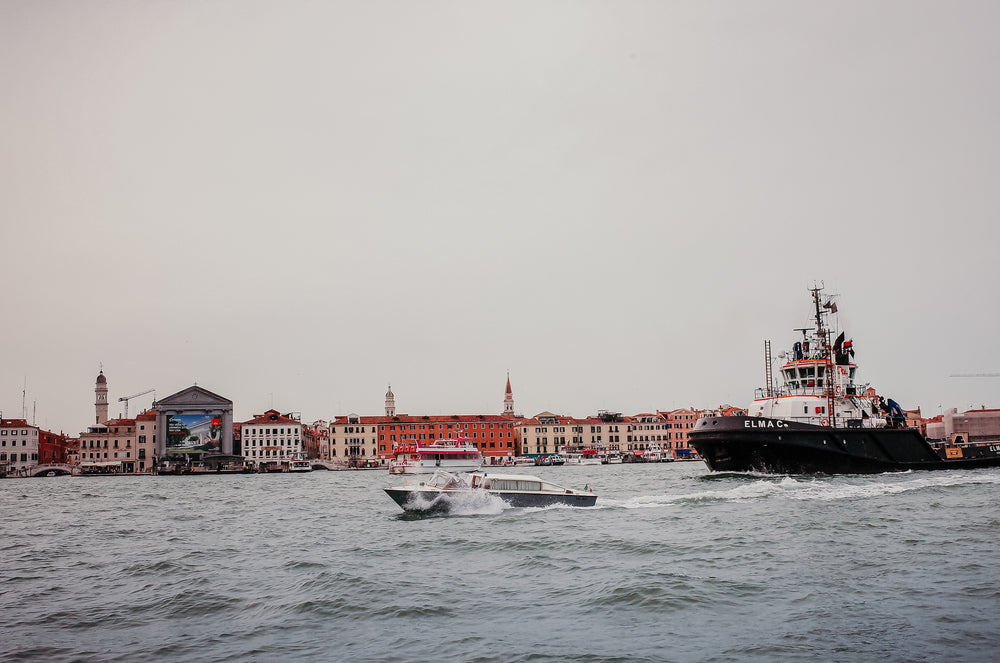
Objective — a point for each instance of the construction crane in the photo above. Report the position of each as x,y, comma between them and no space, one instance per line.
974,375
126,399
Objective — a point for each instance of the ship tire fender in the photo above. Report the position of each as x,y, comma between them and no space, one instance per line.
824,421
838,390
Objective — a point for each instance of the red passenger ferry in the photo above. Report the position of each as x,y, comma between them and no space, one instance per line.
416,457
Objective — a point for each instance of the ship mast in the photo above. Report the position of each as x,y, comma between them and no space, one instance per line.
768,375
825,354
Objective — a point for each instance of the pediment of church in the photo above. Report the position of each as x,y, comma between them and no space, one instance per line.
194,397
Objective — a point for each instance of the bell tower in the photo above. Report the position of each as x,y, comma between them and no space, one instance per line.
508,399
101,402
390,403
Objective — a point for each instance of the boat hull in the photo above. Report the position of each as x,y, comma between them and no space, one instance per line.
412,499
759,444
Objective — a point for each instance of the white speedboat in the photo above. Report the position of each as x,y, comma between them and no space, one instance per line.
299,465
442,490
417,457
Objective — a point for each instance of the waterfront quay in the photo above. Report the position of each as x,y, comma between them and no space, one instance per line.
192,432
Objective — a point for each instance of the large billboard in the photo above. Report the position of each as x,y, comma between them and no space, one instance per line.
193,433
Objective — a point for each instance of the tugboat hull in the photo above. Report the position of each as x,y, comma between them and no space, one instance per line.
757,444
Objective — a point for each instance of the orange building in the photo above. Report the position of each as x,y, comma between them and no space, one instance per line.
678,424
355,439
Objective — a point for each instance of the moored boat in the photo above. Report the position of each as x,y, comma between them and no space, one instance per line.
299,465
573,456
654,453
819,420
416,457
443,490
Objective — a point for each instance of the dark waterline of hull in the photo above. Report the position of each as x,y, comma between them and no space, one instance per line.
754,444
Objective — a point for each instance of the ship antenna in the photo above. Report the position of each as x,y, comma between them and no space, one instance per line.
819,313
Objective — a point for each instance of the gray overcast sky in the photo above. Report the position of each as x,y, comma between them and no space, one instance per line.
297,203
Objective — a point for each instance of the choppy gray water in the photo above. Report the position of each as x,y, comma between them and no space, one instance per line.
674,564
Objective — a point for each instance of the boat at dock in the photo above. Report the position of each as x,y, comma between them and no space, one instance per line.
299,465
578,456
654,453
416,457
820,420
443,490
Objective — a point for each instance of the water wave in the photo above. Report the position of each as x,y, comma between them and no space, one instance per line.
667,567
762,487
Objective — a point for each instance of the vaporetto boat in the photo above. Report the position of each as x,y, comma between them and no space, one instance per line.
820,420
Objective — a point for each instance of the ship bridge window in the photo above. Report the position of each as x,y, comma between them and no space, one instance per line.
789,373
820,370
807,372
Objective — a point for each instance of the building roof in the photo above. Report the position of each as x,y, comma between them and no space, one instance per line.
427,419
271,417
119,422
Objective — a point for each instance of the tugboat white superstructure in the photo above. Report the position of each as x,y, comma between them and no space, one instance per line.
818,382
820,420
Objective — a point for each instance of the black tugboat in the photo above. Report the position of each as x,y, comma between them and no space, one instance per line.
820,421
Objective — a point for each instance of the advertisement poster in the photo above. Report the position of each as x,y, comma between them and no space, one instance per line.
193,433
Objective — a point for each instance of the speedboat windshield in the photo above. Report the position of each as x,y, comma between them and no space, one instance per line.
445,480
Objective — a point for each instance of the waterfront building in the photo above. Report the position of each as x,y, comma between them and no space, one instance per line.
145,424
354,439
546,433
110,447
494,435
72,451
52,447
271,439
23,446
18,446
192,423
982,425
316,439
358,440
369,440
645,429
678,423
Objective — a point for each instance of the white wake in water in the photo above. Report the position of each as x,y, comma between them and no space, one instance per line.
465,503
821,489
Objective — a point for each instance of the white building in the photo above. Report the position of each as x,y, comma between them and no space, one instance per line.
18,446
271,439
